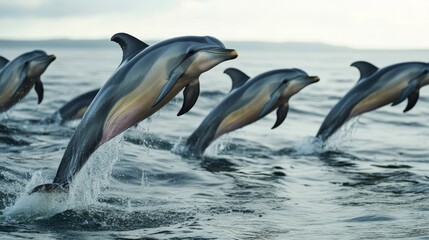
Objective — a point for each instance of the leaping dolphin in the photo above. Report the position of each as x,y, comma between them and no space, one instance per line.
140,86
376,88
18,76
250,99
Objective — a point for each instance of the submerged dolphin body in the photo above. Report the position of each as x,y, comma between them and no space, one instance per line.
18,76
376,88
142,84
249,100
75,108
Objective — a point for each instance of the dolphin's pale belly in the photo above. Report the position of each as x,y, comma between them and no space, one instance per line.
136,106
379,98
243,116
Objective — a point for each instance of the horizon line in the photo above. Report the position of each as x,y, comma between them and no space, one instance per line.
329,45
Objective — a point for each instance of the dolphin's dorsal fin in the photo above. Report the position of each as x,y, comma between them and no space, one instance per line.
3,61
238,77
366,69
129,44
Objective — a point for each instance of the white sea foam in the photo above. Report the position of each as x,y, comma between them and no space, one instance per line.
218,146
93,178
180,147
37,205
308,145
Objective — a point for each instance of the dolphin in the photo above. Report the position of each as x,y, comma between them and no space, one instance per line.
140,86
75,108
249,100
18,76
376,88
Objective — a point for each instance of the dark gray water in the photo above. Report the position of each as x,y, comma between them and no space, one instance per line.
371,182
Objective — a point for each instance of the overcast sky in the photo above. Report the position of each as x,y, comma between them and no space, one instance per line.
355,23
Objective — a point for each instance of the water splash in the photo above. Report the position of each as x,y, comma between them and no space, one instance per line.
343,136
214,149
97,172
5,115
312,145
93,178
308,146
141,129
180,148
36,205
220,145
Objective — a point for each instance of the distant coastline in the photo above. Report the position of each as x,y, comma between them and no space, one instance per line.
106,43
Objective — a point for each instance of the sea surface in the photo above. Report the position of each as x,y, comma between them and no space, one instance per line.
371,181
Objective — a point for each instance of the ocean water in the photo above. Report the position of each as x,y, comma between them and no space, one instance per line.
370,182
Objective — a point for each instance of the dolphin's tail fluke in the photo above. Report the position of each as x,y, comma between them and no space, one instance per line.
50,188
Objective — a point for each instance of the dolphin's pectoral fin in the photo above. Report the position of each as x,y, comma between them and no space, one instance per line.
270,105
3,61
129,44
38,86
412,87
366,69
238,77
405,93
50,188
281,114
174,77
412,100
190,96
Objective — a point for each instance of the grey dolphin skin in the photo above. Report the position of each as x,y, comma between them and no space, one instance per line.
376,88
138,88
18,76
249,100
75,108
